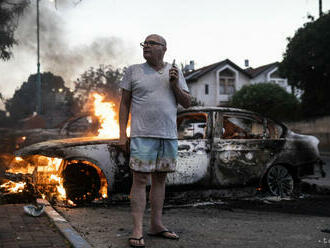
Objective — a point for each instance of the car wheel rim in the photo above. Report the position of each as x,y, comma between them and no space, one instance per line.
280,181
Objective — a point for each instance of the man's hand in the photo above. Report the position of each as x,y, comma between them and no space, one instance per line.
174,76
181,96
123,142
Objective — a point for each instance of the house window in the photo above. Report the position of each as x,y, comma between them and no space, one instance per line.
275,74
227,82
206,89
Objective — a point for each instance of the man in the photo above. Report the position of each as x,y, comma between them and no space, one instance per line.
153,89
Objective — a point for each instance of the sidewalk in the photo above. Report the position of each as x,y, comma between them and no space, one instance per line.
22,231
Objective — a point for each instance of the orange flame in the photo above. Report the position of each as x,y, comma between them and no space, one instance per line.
108,118
13,187
60,188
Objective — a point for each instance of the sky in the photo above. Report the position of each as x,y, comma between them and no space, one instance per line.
75,37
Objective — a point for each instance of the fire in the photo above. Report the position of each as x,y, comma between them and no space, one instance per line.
13,187
45,171
60,188
45,175
18,159
108,118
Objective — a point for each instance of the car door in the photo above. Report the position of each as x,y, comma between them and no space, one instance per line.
240,148
193,151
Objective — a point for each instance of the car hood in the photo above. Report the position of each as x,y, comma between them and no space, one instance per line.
45,147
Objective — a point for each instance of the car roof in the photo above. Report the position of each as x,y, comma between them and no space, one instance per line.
220,109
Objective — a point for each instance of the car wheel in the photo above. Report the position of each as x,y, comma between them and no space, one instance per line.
81,182
279,181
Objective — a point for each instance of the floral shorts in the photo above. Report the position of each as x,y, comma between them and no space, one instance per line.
153,154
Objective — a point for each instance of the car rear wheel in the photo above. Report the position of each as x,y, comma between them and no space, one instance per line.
81,182
280,181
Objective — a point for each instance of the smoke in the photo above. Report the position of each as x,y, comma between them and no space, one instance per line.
56,55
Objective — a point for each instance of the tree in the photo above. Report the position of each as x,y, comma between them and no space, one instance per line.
55,96
306,64
9,13
268,99
103,80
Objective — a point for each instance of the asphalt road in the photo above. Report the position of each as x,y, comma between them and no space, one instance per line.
249,223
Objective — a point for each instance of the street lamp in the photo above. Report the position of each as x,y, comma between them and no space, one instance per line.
38,65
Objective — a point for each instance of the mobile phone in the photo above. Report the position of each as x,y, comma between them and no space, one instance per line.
173,63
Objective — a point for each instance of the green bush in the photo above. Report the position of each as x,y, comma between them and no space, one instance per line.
268,99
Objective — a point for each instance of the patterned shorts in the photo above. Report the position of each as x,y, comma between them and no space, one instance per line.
153,154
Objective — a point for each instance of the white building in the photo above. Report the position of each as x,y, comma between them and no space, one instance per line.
214,85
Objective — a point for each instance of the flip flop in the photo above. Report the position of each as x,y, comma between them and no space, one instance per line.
135,245
162,234
325,230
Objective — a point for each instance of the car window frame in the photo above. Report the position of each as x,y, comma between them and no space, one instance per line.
207,124
242,115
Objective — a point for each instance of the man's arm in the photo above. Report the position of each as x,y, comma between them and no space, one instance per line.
125,105
182,97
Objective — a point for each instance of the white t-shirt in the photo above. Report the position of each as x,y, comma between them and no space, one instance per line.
153,107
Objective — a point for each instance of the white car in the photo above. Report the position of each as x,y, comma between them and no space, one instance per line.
236,148
194,130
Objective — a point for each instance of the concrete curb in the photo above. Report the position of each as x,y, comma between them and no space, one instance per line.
64,227
327,154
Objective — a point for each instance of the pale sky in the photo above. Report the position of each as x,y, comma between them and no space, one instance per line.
205,31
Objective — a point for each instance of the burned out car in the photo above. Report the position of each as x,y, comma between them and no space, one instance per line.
235,148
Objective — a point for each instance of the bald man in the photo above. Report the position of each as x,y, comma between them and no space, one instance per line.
152,90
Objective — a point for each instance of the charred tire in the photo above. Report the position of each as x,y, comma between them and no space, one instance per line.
280,181
81,182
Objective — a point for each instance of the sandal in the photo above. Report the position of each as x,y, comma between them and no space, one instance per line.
135,245
163,234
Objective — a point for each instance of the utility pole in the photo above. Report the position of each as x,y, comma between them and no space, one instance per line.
38,65
320,8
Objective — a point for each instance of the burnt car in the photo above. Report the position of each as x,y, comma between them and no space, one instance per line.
236,148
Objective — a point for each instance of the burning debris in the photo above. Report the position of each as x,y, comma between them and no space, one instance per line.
72,182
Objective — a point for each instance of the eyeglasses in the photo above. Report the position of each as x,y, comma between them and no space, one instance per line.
150,43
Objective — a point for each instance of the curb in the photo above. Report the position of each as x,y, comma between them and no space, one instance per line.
327,154
64,227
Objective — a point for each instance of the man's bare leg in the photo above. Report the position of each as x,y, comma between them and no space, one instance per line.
157,196
138,204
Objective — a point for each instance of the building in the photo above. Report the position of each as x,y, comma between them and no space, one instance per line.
214,85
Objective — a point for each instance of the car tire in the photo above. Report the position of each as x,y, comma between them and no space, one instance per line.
280,181
81,182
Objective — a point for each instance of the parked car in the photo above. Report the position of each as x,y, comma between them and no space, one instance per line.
237,148
194,130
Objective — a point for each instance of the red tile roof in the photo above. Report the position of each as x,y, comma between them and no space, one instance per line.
194,75
256,71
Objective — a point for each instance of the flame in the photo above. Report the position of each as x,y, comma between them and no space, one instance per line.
59,187
13,187
71,203
18,159
108,118
45,173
